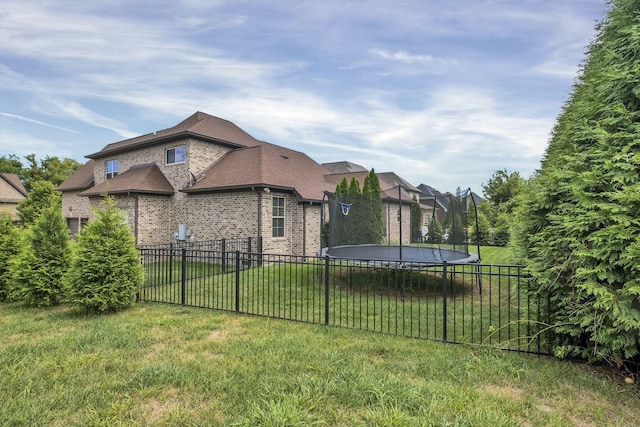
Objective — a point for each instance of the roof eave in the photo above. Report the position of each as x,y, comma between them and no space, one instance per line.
161,140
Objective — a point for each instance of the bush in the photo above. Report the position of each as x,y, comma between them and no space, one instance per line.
9,247
106,273
37,271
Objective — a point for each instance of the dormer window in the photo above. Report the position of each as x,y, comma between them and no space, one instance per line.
112,168
176,155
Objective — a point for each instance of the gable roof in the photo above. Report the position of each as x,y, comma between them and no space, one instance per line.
389,182
344,167
199,126
81,178
14,182
429,193
263,166
146,178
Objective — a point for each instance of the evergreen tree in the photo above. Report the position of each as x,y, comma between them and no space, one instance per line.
106,273
376,221
42,195
578,227
37,272
416,221
9,248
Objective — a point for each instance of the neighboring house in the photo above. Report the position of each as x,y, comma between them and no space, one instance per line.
12,192
393,188
217,180
432,199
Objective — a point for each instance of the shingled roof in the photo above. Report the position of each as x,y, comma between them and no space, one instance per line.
199,125
389,182
14,182
265,166
80,180
146,178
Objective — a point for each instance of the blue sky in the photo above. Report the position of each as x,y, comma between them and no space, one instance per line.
442,92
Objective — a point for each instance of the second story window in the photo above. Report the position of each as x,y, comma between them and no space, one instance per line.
112,168
176,155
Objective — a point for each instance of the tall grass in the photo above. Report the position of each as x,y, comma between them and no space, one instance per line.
169,365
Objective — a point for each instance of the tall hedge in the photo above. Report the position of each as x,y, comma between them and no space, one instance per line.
578,223
9,248
106,273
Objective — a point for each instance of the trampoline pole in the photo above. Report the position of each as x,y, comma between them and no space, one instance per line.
400,217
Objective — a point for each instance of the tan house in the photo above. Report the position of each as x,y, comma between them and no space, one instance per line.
208,176
12,192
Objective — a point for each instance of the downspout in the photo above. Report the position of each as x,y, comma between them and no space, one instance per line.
304,229
135,217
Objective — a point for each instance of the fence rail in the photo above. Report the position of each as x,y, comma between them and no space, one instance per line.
462,303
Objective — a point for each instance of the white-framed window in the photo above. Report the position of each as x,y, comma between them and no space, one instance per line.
278,217
176,155
112,168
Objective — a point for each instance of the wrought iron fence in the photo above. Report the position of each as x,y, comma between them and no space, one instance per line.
461,303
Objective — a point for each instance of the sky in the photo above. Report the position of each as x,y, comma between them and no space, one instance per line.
441,92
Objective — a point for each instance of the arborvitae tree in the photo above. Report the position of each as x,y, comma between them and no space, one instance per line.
42,195
337,234
356,217
9,248
106,273
376,222
416,221
578,227
37,272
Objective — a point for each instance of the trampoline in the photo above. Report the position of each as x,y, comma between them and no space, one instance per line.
404,254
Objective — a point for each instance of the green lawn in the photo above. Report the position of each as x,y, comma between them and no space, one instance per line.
170,365
493,254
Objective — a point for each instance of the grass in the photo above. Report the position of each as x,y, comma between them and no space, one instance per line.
493,254
168,365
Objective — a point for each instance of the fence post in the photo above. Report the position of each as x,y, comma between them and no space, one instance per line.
326,290
184,277
444,300
237,281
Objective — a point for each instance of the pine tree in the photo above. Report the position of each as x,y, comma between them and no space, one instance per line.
37,272
106,273
578,223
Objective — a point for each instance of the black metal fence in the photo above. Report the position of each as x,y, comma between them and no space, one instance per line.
242,244
462,303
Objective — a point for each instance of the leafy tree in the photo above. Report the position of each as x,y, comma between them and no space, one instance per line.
105,273
500,195
41,196
578,227
11,164
455,219
38,270
9,248
50,169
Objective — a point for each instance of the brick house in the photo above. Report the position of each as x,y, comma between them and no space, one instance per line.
12,192
217,180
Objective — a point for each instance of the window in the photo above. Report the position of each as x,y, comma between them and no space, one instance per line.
278,217
176,155
112,168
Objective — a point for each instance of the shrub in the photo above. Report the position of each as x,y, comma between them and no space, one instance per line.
37,271
106,273
9,247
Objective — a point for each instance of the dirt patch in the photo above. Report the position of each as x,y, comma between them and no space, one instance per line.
155,410
506,391
233,327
